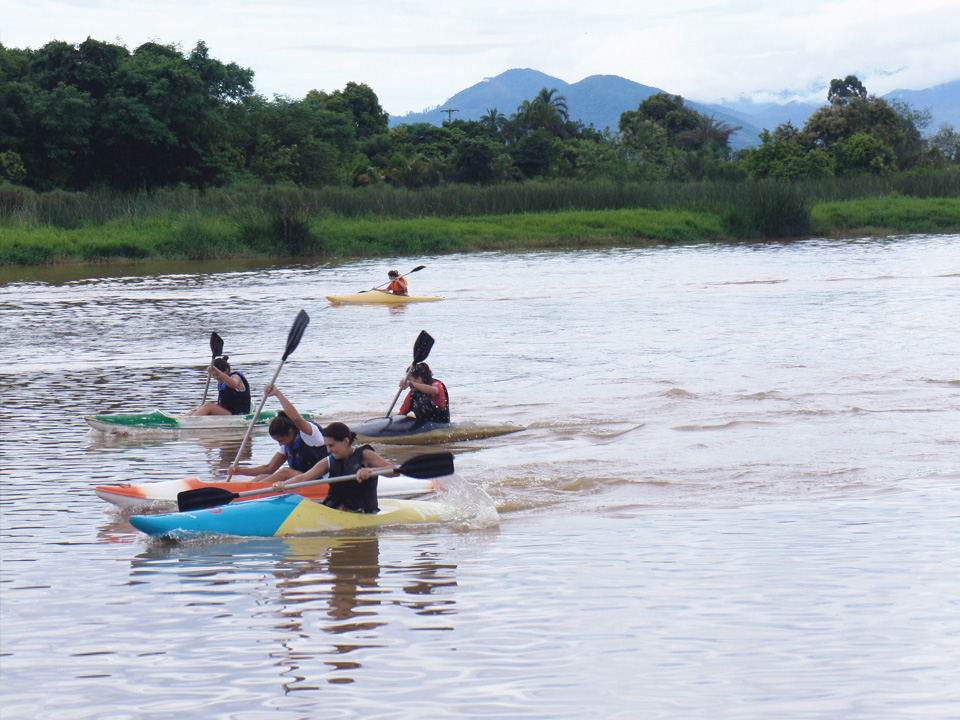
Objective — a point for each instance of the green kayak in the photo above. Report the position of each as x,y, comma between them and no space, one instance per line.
160,420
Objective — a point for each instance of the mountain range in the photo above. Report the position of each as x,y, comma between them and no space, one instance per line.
599,100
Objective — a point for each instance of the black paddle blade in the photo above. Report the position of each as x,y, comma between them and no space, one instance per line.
203,498
296,332
427,466
216,345
421,348
418,268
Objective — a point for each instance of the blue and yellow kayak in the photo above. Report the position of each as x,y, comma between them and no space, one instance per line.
286,515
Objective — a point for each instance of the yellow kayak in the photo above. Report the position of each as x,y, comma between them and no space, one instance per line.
380,298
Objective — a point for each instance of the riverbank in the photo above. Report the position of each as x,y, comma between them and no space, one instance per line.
295,233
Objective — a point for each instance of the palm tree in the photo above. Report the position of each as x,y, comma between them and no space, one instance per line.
493,120
706,129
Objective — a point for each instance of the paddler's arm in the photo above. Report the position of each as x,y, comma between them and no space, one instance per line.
233,381
302,425
424,388
267,469
317,471
372,461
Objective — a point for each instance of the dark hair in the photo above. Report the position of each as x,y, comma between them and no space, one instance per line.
393,273
339,432
221,364
422,371
281,425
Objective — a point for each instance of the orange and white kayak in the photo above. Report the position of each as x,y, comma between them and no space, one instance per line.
166,491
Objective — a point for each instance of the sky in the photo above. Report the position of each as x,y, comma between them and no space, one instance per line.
415,54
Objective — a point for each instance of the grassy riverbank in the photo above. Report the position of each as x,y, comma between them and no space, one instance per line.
259,222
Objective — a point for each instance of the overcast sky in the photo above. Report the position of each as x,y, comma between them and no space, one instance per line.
415,54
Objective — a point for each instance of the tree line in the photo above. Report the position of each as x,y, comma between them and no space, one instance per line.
97,115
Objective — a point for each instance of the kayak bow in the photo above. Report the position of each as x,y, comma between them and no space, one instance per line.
404,430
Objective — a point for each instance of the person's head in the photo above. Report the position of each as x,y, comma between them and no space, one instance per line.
222,365
338,439
421,373
393,274
283,429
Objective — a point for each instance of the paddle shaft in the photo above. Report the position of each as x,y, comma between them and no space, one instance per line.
421,349
293,340
256,416
216,347
308,483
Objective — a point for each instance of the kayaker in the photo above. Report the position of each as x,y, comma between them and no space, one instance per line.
301,443
234,391
398,285
358,495
427,399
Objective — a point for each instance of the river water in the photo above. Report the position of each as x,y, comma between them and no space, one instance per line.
737,494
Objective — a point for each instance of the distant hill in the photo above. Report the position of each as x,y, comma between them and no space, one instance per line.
599,100
943,101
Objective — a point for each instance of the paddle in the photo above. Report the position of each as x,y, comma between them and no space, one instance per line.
421,348
293,339
420,466
418,268
216,347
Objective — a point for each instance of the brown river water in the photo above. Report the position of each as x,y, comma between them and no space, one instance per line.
737,494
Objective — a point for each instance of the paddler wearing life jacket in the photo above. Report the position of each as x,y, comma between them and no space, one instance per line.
233,396
301,443
427,399
398,285
358,495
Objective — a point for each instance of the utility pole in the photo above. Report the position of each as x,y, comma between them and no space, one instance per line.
450,112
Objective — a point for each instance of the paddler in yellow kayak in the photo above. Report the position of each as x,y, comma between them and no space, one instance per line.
397,284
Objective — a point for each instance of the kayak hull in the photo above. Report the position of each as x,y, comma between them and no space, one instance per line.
403,430
286,515
380,298
160,420
133,495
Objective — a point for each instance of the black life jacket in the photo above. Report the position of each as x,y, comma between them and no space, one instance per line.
422,406
301,457
236,401
350,493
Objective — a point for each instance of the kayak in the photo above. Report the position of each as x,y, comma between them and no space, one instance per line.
160,420
131,495
380,298
286,515
404,430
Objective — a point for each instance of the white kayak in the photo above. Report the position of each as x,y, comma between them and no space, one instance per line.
166,491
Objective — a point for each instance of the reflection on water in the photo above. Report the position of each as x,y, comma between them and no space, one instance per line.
735,496
310,588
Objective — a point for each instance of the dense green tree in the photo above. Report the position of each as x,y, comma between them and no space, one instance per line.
782,156
363,105
852,112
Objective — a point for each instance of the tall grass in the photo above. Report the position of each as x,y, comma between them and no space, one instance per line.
245,220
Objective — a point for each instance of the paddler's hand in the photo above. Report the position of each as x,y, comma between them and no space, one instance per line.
280,486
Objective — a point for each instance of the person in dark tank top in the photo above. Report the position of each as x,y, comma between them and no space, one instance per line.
358,495
233,396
